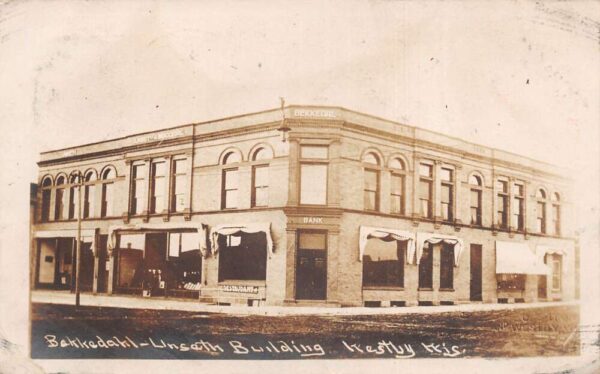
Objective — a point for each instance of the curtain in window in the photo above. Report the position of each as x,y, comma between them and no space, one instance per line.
367,233
249,228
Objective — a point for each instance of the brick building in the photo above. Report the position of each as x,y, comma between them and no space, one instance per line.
344,209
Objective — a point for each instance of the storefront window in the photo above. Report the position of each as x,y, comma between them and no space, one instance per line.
383,263
243,256
185,262
131,261
511,282
426,267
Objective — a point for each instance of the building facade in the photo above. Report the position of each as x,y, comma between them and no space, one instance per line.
345,209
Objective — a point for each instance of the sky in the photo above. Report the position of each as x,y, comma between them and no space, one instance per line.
518,76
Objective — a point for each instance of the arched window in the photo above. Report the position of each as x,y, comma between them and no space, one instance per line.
260,177
371,158
73,197
476,199
229,180
88,194
556,213
46,193
108,176
231,157
262,153
397,186
541,210
371,181
59,202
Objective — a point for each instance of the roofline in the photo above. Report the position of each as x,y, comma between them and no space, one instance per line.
295,106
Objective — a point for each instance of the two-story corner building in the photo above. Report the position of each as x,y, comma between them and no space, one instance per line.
350,209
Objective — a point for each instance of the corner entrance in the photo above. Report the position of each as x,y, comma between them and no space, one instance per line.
311,265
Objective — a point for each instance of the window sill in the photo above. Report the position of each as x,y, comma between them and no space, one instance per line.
424,289
446,289
383,288
244,282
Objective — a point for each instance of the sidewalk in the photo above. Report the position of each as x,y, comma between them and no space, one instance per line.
136,302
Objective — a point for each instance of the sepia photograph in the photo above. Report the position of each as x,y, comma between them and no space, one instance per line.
327,186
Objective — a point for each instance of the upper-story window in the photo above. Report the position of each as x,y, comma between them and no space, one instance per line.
178,185
397,186
46,194
260,177
502,206
519,206
139,188
371,181
88,194
108,176
313,174
59,202
158,187
447,198
541,211
556,213
73,195
230,180
426,190
476,185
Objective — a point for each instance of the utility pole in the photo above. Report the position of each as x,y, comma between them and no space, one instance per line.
78,248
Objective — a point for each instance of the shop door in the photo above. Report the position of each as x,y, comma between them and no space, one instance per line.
476,265
311,266
155,263
102,264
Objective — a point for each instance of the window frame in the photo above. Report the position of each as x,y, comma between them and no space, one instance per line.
255,187
502,195
402,249
155,180
138,202
174,174
478,189
313,161
449,184
429,180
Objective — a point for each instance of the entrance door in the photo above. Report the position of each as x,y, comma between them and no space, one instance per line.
311,266
155,261
476,265
102,262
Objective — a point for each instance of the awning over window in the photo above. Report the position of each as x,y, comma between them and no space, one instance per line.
517,258
367,232
427,237
201,230
543,250
248,228
63,234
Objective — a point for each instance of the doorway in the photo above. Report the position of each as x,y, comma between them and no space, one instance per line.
476,267
311,265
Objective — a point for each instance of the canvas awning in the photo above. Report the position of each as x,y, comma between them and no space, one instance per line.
63,234
517,258
248,228
87,236
166,226
367,232
427,237
543,250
